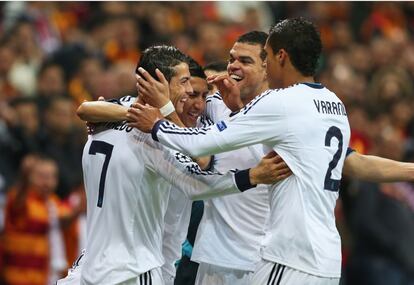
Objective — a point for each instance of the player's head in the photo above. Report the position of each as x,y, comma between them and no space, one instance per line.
173,64
195,104
292,43
247,64
215,68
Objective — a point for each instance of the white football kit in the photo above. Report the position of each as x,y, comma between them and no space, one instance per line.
176,219
232,228
127,179
307,125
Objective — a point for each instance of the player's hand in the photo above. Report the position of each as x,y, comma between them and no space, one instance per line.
229,91
152,91
270,170
143,117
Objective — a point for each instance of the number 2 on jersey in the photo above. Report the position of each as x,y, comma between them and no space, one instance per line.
106,149
333,184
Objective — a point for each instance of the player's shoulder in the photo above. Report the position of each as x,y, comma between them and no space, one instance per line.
214,98
124,101
204,121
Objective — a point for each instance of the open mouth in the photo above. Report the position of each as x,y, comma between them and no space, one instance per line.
236,77
193,115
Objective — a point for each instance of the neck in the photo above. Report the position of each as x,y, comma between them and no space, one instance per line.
263,88
295,77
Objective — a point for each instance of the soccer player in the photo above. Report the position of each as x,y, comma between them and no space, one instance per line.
307,125
233,225
177,215
127,179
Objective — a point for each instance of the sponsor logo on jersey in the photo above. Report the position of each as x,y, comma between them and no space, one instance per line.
221,126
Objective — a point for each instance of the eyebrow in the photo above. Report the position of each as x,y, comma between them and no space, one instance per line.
247,58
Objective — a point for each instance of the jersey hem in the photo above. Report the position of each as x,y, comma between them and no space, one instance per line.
225,265
271,258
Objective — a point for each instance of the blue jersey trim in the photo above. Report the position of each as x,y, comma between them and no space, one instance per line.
349,151
155,129
313,85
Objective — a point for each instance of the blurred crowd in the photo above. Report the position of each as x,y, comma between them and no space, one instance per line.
55,55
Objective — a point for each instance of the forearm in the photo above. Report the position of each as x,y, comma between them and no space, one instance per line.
227,184
100,111
377,169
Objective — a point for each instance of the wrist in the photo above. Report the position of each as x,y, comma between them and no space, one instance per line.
167,109
244,179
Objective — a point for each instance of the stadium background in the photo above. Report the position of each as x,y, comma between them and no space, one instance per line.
54,55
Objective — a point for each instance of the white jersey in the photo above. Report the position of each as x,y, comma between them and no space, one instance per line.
127,179
232,228
177,218
307,126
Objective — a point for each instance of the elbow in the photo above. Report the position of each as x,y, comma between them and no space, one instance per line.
81,112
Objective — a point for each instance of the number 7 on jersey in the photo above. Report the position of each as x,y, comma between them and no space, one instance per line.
106,149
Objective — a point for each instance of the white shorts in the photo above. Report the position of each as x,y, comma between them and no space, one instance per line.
270,273
152,277
74,273
168,278
209,274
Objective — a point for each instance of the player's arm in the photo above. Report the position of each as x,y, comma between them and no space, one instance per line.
101,111
377,169
256,123
196,184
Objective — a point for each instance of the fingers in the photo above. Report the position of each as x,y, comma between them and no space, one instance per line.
218,78
145,74
211,78
161,76
140,106
228,83
270,154
133,115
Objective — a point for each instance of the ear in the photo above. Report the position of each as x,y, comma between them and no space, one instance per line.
282,56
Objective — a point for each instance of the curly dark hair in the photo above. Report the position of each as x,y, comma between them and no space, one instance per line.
163,57
301,40
196,70
255,38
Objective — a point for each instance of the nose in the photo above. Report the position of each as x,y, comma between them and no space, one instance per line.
188,88
200,103
233,65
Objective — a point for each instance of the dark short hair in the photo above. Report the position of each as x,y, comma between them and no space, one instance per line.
196,70
217,66
255,38
302,42
163,57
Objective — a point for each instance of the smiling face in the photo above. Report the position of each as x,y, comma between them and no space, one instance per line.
180,86
196,102
248,69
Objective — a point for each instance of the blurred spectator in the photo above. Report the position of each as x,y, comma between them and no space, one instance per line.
33,245
61,140
50,83
85,84
383,226
29,57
